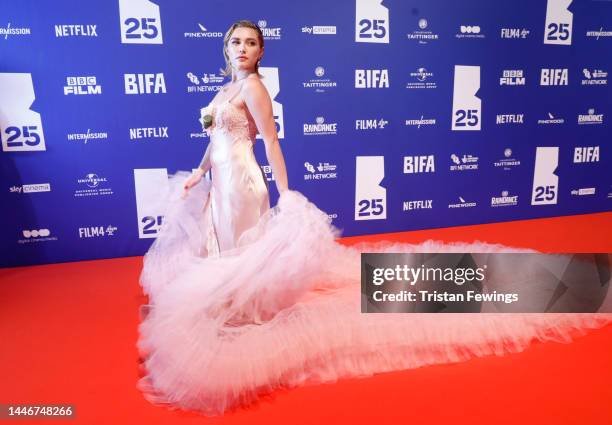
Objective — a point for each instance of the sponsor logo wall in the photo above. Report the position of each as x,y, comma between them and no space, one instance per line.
392,117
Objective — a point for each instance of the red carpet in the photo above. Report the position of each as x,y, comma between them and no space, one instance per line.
68,334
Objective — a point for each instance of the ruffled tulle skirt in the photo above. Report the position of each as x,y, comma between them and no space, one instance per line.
283,310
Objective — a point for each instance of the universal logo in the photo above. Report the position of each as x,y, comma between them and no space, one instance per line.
422,35
203,33
422,77
95,186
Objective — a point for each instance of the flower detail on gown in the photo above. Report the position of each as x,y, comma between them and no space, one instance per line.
279,304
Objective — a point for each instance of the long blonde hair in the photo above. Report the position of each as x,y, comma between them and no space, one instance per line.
227,72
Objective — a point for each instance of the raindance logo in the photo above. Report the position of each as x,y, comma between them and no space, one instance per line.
600,33
505,200
320,30
424,204
323,171
31,188
514,33
462,204
594,77
422,35
319,84
269,33
465,163
422,76
510,119
203,33
469,31
371,124
5,32
421,121
76,31
591,118
97,231
149,133
583,191
321,128
512,77
551,120
507,162
37,235
86,137
95,186
205,83
82,85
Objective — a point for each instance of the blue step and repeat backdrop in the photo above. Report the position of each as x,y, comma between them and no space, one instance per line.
393,115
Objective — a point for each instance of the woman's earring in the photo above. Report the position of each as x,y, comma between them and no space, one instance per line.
259,63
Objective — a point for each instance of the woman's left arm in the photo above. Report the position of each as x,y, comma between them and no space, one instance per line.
259,104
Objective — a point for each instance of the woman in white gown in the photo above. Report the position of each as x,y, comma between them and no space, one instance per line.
245,299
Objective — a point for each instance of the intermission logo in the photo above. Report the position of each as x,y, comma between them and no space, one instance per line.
585,191
323,171
515,33
205,83
5,32
512,77
92,185
422,35
140,22
320,128
420,122
422,204
462,204
510,119
594,77
36,235
551,120
20,127
505,200
590,118
371,22
554,77
144,83
203,33
269,33
371,124
31,188
97,231
371,78
421,79
320,84
584,154
320,30
469,31
87,137
419,164
508,162
559,21
600,33
465,163
76,31
82,85
148,133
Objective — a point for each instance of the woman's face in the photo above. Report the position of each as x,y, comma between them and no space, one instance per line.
243,49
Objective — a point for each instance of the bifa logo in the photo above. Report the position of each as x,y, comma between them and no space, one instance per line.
371,78
20,127
144,83
371,22
558,25
512,77
140,22
554,77
467,106
586,154
82,85
370,195
419,164
76,31
545,181
151,189
272,83
97,231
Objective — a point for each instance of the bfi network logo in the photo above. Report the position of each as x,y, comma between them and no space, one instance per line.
144,83
82,85
371,78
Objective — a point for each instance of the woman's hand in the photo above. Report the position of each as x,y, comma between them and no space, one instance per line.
193,179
